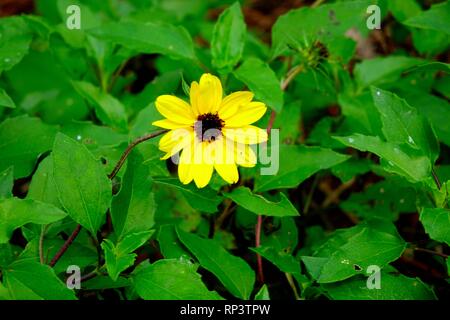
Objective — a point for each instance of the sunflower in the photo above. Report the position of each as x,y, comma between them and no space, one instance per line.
212,132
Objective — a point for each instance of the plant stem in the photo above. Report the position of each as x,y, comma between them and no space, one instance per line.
129,148
290,279
436,179
443,255
41,243
257,245
65,246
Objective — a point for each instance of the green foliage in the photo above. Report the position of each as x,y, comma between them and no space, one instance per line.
86,197
156,281
355,173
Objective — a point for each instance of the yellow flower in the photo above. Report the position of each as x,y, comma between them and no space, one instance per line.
211,132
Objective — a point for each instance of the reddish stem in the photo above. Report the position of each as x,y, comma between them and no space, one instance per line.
257,245
65,246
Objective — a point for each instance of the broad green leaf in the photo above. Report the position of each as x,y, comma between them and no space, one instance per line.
394,286
350,251
83,187
360,113
5,100
94,136
119,257
228,39
263,293
436,18
403,10
6,183
256,203
42,186
170,246
15,212
205,199
171,279
435,109
148,37
133,208
15,39
262,81
436,222
403,125
284,261
233,272
383,69
297,163
29,280
397,159
430,67
107,108
327,23
22,150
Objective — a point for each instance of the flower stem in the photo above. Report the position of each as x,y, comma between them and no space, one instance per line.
129,148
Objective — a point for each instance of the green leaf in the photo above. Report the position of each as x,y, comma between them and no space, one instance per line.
263,293
42,186
327,23
6,183
171,279
84,189
350,251
22,150
170,246
435,109
29,280
284,261
297,163
107,108
436,222
394,286
119,257
15,41
228,38
233,272
5,100
133,208
383,69
256,203
403,125
436,18
397,158
15,213
205,199
262,81
148,37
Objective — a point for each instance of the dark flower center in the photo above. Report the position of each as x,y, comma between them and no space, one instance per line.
208,127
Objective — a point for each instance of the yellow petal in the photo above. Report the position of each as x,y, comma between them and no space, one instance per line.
233,102
194,97
176,140
167,124
245,156
207,95
185,171
245,135
202,164
175,109
246,114
228,172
